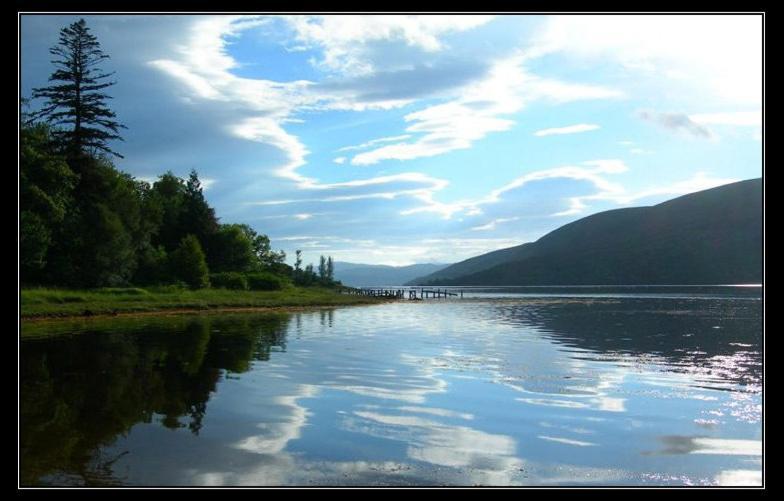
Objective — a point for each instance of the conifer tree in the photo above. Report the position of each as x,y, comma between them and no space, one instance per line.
330,269
75,101
322,269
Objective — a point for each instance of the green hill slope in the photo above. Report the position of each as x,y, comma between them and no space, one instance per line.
709,237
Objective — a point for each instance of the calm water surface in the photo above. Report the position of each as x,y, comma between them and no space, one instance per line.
503,388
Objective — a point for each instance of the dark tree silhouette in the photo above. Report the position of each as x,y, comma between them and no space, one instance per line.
76,101
322,269
298,261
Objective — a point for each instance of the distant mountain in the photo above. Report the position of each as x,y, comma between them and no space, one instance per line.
708,237
372,275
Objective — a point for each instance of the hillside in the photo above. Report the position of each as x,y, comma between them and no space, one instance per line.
369,275
708,237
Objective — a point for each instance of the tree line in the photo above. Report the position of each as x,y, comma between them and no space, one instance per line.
84,223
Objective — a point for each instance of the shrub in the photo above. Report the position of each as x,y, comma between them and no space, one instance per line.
188,263
153,267
229,280
265,282
125,291
176,286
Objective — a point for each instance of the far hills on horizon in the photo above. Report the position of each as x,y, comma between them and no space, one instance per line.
378,275
709,237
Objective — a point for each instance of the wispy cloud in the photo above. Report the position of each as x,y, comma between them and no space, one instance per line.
407,88
699,181
480,109
677,122
592,171
374,142
570,129
206,70
346,41
495,222
403,253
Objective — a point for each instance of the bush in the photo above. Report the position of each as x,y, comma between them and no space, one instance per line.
187,263
153,268
176,286
229,280
265,282
125,291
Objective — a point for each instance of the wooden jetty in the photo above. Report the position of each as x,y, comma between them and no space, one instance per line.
415,293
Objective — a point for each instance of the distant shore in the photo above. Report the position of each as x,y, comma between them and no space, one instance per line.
43,303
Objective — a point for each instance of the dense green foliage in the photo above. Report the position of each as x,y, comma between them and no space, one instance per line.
83,223
229,280
189,265
46,184
262,281
709,237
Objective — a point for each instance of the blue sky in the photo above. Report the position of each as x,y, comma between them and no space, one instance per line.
404,139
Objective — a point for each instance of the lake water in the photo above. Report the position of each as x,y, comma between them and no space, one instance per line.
507,387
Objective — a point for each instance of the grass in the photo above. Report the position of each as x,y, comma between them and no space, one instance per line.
44,302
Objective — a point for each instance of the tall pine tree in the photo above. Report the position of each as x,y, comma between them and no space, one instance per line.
75,100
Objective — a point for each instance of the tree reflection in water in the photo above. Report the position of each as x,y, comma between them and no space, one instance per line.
78,393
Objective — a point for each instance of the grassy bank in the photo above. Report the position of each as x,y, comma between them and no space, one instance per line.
42,302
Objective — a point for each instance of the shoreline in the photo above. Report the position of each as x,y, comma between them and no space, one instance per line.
191,311
38,305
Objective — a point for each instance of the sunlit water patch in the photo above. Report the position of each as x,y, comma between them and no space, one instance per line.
509,391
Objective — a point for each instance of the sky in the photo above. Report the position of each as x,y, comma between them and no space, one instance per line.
401,139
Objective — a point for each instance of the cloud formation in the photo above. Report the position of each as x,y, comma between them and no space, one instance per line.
569,129
704,56
677,122
347,41
481,108
348,126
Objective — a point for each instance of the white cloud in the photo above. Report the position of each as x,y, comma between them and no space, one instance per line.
495,222
739,478
698,182
483,104
373,142
593,172
739,118
567,441
479,110
570,129
268,131
717,57
345,39
205,68
392,253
